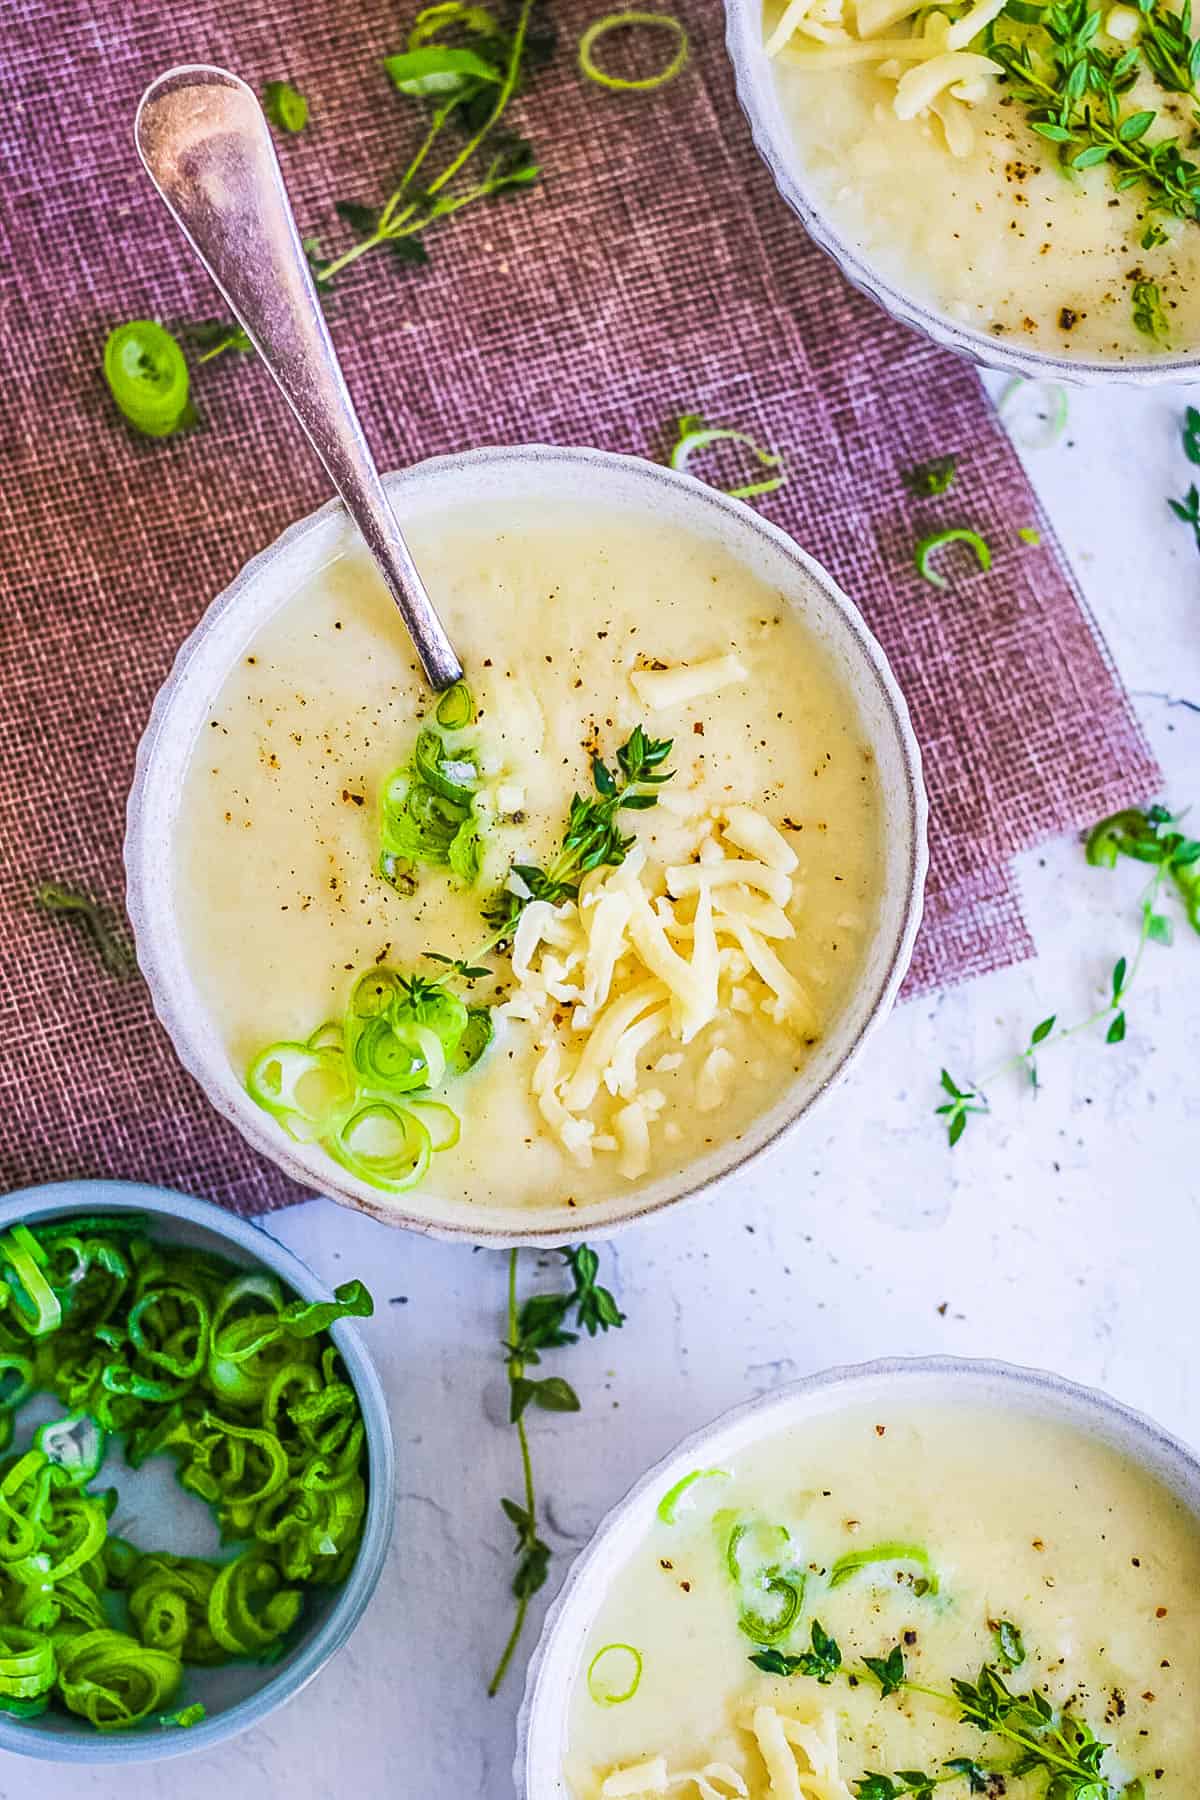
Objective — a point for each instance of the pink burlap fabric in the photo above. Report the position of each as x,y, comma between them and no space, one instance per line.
656,271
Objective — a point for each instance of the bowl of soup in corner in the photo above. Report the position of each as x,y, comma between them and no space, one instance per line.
924,148
573,940
905,1578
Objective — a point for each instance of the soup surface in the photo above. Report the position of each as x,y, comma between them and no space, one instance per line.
946,1538
963,204
574,629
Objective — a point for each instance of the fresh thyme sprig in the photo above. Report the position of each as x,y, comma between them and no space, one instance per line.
1188,509
593,838
540,1323
1072,96
60,901
1147,837
465,66
1059,1745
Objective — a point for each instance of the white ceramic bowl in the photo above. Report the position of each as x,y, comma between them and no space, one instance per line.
551,476
775,142
541,1728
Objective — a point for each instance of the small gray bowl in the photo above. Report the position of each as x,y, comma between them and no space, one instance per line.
758,94
238,1694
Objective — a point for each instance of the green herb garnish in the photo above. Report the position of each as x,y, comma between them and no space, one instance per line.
1071,89
1147,837
427,811
285,106
540,1323
1059,1745
887,1555
1147,311
463,64
614,1674
934,477
593,838
625,21
937,541
63,902
694,436
1188,509
1010,1646
168,1349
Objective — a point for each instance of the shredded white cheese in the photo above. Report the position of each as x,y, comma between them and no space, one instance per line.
657,688
623,979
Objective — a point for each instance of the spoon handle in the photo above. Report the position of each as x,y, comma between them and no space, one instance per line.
207,147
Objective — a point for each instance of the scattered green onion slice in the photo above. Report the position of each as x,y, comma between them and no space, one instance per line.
891,1552
614,1674
618,21
148,377
668,1506
1034,412
695,435
456,708
1029,534
937,541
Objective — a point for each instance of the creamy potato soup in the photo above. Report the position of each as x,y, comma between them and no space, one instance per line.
795,1623
647,829
923,141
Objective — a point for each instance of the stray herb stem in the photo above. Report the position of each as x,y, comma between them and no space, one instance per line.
530,1496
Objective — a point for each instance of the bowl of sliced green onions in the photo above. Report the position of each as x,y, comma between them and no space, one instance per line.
196,1473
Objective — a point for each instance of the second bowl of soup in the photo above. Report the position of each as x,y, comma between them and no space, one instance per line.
573,939
893,1582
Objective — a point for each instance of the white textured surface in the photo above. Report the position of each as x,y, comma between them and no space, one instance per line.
1064,1231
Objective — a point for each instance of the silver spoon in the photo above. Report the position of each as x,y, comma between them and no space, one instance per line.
207,147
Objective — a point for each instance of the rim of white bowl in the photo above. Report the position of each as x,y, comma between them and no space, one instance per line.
542,1720
53,1200
758,96
182,1013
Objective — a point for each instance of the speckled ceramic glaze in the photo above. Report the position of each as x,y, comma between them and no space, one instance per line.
543,1721
550,476
774,140
238,1694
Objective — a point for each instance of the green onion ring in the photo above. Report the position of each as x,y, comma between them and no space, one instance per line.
456,708
617,21
1033,412
890,1552
668,1506
618,1684
937,540
695,435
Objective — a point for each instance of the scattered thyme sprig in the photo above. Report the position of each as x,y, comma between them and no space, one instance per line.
538,1324
1057,1744
464,64
1145,837
1188,509
60,901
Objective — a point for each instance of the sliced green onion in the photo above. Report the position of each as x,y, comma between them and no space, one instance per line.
695,435
299,1087
621,21
148,377
186,1717
1034,412
35,1303
440,1121
456,708
477,1035
75,1444
614,1673
887,1553
176,1351
112,1680
1029,534
758,1558
937,541
385,1145
668,1506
